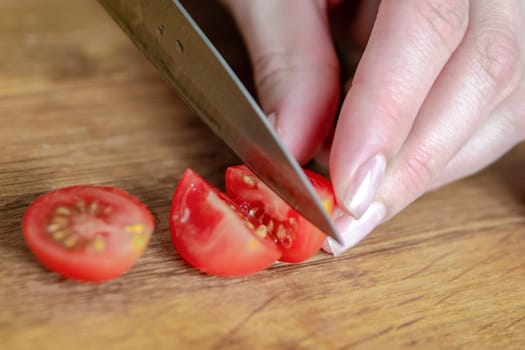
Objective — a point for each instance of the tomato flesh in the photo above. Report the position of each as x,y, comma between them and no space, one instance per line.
86,232
213,234
296,237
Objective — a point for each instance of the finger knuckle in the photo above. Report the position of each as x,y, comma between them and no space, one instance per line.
498,58
447,20
393,109
419,168
269,68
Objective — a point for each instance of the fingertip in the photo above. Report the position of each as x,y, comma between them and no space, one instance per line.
295,67
354,230
304,115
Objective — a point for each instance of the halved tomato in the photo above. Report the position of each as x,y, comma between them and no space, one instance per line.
87,232
213,234
296,237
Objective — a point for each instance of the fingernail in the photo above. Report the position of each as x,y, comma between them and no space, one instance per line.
354,230
363,189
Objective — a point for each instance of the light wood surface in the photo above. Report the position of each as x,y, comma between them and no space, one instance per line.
79,104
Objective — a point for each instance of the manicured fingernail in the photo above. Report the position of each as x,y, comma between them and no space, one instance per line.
365,185
354,230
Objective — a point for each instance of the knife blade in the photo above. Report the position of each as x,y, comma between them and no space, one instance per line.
168,36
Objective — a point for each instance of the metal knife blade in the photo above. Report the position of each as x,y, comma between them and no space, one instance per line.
173,42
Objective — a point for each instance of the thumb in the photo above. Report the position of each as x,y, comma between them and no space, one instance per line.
295,67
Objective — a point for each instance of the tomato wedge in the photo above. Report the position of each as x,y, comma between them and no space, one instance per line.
86,232
213,234
295,236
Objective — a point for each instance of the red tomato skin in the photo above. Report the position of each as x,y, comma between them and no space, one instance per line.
305,238
120,249
212,234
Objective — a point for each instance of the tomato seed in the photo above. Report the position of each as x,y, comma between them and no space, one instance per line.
64,211
138,243
269,225
58,235
281,233
248,180
253,244
98,243
70,241
93,208
137,228
54,227
81,206
293,223
60,220
261,231
249,224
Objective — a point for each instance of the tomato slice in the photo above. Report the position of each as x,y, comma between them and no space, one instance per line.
87,232
213,234
297,238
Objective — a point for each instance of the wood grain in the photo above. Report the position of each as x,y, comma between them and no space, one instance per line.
78,104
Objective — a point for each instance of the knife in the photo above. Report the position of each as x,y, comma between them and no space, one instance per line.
167,35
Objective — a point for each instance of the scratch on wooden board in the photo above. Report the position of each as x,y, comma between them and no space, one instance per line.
407,301
513,323
224,340
444,299
426,267
471,267
406,324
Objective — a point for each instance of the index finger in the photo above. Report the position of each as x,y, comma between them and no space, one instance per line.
410,43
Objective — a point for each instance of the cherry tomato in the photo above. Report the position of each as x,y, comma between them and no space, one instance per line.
297,238
213,234
86,232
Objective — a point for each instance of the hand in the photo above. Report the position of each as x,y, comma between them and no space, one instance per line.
439,94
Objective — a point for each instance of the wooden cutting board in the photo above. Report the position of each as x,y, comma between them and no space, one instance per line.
79,104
